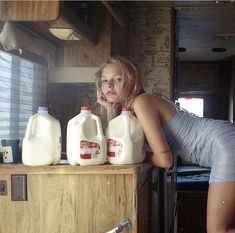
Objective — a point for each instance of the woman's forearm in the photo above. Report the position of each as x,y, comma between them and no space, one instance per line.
163,161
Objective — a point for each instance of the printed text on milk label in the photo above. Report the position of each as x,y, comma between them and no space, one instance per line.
114,148
89,150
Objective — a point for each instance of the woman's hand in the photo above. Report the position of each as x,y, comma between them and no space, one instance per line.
111,108
102,100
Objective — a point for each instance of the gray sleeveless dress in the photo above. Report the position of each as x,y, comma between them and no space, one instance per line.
203,141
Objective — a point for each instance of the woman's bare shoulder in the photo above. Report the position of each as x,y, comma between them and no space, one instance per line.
147,99
147,102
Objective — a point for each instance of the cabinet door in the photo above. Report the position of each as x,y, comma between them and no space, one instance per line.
79,54
79,203
29,10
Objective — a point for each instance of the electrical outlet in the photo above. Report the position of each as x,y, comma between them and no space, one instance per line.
7,154
3,187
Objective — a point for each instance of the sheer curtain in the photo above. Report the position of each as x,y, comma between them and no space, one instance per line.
23,87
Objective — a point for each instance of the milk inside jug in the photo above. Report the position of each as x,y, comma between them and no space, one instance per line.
86,144
125,139
42,142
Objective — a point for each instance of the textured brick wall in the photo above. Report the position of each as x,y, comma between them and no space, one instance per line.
150,46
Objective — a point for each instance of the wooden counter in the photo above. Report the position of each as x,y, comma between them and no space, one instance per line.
74,199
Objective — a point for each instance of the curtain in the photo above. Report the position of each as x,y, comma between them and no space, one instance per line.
23,87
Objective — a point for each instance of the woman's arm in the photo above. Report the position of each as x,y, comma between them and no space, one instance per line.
148,113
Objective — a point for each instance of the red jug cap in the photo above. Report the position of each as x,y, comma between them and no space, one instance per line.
127,109
86,108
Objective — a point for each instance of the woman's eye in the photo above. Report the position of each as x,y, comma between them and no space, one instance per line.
104,81
118,80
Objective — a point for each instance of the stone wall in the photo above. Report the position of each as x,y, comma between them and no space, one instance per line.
150,47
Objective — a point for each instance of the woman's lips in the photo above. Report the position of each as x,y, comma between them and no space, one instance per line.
111,93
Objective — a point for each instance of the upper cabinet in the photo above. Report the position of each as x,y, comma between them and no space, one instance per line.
118,11
85,32
75,22
71,20
29,10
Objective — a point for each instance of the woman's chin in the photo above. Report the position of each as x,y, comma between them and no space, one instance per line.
112,99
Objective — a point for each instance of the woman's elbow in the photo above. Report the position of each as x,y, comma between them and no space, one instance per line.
165,162
168,162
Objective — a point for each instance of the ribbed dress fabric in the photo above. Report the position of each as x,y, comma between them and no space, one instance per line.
202,141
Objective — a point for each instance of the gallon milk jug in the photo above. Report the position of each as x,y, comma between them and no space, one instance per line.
42,142
86,144
125,139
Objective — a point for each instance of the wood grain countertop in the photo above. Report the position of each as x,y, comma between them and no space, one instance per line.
64,168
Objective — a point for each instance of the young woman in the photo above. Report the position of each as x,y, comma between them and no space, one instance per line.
169,129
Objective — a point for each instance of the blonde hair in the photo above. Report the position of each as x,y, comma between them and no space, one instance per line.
132,81
131,75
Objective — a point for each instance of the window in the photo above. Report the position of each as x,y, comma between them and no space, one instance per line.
193,105
23,87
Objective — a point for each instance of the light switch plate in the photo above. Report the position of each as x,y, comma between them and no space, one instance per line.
19,187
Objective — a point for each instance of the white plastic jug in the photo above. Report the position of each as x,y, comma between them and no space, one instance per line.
42,142
86,144
125,139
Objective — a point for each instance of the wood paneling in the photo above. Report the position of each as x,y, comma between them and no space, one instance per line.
29,10
118,10
81,54
91,202
119,40
208,77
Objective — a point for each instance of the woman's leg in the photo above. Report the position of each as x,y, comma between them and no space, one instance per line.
221,207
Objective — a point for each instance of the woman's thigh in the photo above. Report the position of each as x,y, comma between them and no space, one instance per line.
221,206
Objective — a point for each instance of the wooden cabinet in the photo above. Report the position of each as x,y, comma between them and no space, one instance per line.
29,10
47,16
79,54
112,40
102,31
73,199
203,77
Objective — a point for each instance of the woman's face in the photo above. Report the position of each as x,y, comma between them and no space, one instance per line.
112,84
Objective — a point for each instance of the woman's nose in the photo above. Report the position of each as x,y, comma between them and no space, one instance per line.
111,83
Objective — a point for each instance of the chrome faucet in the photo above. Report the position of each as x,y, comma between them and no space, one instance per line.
123,225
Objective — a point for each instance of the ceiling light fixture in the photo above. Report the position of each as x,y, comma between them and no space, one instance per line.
181,49
65,33
219,50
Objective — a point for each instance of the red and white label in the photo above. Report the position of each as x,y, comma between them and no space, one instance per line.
114,148
89,150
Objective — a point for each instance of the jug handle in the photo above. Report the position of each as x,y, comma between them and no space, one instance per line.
98,123
28,132
127,132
